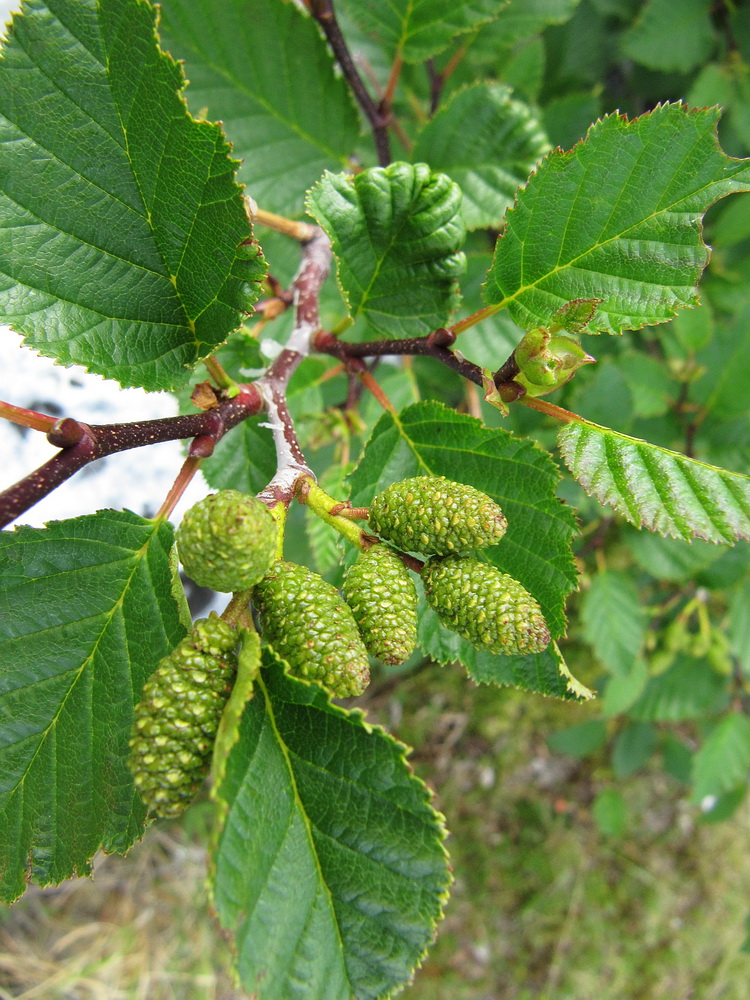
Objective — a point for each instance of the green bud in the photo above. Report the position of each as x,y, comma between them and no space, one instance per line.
547,361
227,541
434,515
309,626
487,607
178,715
383,600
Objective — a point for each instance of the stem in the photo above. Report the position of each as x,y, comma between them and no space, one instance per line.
322,504
472,320
300,231
387,99
219,376
27,418
189,468
323,12
375,388
566,416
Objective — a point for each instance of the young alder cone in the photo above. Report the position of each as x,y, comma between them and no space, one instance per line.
309,626
383,600
227,541
489,608
178,715
434,515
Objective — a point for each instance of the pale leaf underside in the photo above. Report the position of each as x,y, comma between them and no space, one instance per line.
655,488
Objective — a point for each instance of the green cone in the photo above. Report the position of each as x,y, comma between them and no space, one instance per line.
309,626
489,608
383,600
434,515
178,715
227,541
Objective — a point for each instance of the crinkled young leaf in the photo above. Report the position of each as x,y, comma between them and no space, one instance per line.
264,69
121,215
397,234
491,159
329,866
614,622
430,439
655,488
416,31
86,613
617,218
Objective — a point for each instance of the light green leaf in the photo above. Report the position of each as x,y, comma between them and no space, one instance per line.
723,762
416,31
632,748
617,218
490,160
86,613
121,215
689,689
264,69
623,690
580,740
431,439
397,234
669,37
330,866
610,812
655,488
738,626
614,623
228,733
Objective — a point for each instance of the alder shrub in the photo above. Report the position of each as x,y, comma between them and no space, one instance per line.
363,285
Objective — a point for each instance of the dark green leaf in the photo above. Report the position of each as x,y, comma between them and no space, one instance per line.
86,613
632,748
579,740
666,37
655,488
265,71
397,234
678,759
522,18
491,159
610,813
613,620
722,763
738,626
616,218
689,689
415,31
329,866
121,215
430,439
623,690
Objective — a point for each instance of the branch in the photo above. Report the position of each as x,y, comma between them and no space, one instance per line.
323,12
87,443
272,387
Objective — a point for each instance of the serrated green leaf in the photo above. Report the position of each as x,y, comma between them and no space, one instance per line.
623,690
666,37
616,218
491,159
670,558
228,733
397,234
614,623
689,689
416,31
655,488
430,439
264,69
329,866
124,258
723,762
650,384
86,613
632,748
579,740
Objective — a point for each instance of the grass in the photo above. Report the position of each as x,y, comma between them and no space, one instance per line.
543,906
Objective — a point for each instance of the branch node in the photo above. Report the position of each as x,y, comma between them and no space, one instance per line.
66,433
442,337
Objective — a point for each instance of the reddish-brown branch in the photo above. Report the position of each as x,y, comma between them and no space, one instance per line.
99,440
324,14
